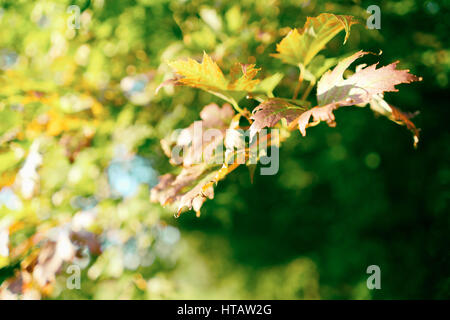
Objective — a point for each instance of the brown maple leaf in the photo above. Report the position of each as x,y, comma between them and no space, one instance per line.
190,188
362,85
271,111
333,91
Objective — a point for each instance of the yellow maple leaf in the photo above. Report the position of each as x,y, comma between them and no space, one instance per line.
208,76
300,47
246,82
205,75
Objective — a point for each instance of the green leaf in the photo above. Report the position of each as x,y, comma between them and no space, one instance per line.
205,75
268,84
208,76
300,47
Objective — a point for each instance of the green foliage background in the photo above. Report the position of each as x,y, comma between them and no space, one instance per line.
344,198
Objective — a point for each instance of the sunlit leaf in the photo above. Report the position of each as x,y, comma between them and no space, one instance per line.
333,91
208,76
205,75
362,85
301,46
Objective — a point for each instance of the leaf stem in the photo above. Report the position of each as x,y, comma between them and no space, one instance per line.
229,100
299,83
308,90
236,106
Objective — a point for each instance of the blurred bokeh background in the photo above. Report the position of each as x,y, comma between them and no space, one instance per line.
80,130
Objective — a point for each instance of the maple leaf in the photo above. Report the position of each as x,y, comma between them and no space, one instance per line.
170,187
333,91
300,47
362,85
190,188
208,76
271,111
